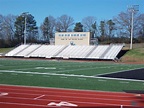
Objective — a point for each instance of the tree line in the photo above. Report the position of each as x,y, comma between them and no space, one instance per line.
13,29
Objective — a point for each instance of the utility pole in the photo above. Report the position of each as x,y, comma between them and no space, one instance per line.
133,9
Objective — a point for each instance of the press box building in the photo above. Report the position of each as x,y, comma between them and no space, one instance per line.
72,38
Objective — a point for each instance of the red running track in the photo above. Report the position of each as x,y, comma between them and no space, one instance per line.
36,97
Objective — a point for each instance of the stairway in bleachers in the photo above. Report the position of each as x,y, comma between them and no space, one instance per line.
105,52
91,51
60,51
28,55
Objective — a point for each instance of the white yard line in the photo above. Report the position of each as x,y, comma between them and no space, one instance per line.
71,70
67,75
39,73
119,79
120,71
66,70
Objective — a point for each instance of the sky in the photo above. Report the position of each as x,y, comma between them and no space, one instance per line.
78,9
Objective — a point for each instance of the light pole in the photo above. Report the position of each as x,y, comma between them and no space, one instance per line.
133,9
25,30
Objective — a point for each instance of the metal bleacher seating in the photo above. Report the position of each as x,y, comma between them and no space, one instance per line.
16,50
27,51
70,51
46,51
98,51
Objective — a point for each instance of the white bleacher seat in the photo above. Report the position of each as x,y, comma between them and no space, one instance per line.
75,51
47,51
113,51
25,52
16,50
96,54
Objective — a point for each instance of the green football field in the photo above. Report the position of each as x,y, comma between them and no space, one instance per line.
66,74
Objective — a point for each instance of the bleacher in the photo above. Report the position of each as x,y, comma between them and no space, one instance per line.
46,51
108,52
16,50
98,51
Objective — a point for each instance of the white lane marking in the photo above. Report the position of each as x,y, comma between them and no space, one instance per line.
62,103
24,104
3,94
39,97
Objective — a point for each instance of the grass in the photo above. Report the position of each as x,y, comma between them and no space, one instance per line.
135,55
135,45
64,74
5,50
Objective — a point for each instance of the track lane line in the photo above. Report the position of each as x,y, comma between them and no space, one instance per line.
25,104
39,97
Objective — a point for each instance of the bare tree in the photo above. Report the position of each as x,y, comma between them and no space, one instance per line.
63,23
7,28
139,28
88,22
123,24
1,20
52,25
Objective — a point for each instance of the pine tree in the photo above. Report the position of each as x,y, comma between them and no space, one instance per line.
78,27
26,21
45,27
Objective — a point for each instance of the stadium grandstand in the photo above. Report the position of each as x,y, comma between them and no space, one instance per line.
68,45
